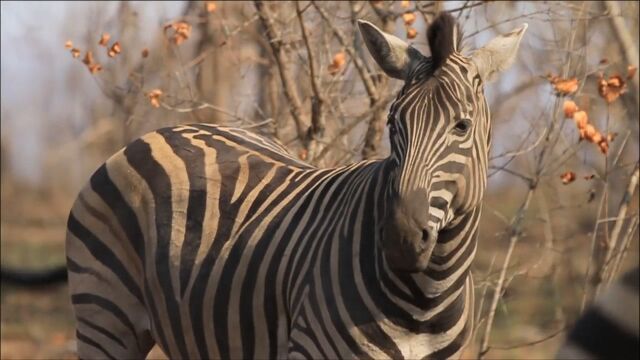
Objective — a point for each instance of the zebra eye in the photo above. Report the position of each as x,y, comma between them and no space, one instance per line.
462,126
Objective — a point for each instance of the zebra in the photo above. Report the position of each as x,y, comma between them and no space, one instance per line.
214,242
610,328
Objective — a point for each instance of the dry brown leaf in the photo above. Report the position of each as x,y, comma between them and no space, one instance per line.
568,177
581,119
303,154
409,18
68,44
88,58
94,68
211,6
75,53
604,146
581,132
411,33
104,39
563,86
145,53
567,86
154,97
115,49
589,132
569,108
610,89
181,31
339,59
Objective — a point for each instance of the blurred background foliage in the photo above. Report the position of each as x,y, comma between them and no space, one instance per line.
561,213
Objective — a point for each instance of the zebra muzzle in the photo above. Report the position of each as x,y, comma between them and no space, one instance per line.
408,249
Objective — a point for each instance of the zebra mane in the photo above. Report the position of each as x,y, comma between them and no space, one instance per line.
445,37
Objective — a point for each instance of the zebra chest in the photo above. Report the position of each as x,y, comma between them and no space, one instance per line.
315,335
334,324
322,327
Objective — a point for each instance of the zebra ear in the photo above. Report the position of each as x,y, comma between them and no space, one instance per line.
392,54
498,54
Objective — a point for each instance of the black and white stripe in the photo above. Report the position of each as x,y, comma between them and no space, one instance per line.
216,243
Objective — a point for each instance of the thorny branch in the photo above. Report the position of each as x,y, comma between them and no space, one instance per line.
316,131
283,63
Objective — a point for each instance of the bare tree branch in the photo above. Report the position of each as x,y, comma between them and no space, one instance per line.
283,62
316,131
615,245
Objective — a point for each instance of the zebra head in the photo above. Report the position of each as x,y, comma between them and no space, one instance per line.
439,130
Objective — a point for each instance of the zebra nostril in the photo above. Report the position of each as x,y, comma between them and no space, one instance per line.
425,235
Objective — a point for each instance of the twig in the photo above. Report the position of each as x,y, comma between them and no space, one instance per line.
530,343
203,105
521,152
594,243
625,243
375,129
351,125
258,124
515,235
625,39
613,244
357,61
283,68
478,319
317,101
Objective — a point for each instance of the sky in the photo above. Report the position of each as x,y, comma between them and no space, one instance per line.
35,68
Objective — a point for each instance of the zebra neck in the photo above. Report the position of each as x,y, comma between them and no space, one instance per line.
400,314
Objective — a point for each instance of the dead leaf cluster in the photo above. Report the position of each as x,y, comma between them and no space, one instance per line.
89,59
181,30
154,97
211,6
92,65
409,18
568,177
587,130
112,50
339,59
563,86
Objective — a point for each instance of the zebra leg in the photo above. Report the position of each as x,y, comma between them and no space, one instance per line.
105,331
105,284
109,323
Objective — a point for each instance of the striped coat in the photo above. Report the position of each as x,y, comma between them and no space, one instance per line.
216,243
152,198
